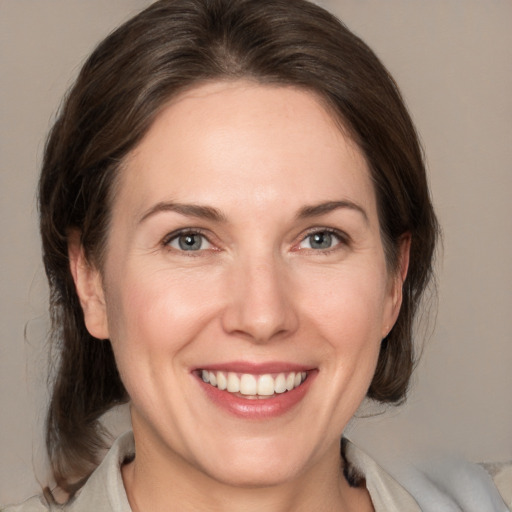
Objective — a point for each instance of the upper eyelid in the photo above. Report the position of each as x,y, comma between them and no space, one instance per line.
342,235
337,232
344,239
185,231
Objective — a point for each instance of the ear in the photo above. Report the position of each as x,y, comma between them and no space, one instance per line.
89,288
397,281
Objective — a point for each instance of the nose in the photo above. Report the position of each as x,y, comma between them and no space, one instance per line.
260,306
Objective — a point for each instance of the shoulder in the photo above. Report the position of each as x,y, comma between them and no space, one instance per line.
386,492
501,473
103,490
445,483
35,504
456,483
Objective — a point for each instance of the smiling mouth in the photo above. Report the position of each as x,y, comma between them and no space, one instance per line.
252,386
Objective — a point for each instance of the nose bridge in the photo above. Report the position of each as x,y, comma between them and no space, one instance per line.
261,306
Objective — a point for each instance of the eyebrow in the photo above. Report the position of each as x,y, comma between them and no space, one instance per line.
189,210
213,214
329,206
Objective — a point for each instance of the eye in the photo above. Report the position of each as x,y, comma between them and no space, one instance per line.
189,241
320,240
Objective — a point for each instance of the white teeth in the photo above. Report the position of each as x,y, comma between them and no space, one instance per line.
266,385
248,384
251,385
290,381
280,384
222,382
233,383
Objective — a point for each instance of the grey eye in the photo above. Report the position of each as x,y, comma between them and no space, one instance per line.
189,242
320,240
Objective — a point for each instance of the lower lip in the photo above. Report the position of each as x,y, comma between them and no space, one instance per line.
257,408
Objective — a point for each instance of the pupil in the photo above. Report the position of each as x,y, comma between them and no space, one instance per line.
321,240
190,242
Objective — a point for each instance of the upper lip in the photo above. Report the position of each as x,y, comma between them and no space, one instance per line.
255,368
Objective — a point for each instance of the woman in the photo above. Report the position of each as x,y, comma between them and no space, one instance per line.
237,232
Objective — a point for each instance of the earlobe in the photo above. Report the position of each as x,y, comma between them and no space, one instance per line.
89,288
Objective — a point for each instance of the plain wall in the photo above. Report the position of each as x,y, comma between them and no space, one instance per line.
453,62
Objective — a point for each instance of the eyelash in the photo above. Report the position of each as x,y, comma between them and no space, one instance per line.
343,239
184,232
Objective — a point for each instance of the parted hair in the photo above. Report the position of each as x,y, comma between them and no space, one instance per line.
170,47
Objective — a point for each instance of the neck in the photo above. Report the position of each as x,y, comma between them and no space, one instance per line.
169,482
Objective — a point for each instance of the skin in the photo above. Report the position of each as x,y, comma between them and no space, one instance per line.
256,291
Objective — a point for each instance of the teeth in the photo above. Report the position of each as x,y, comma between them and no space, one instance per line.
233,383
266,385
290,381
248,384
280,383
254,385
222,382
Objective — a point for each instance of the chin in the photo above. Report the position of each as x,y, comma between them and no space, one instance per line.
255,476
251,466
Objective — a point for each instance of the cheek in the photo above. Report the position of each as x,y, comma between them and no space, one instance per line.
157,312
347,314
154,318
350,303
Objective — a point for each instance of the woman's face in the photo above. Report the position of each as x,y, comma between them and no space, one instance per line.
244,247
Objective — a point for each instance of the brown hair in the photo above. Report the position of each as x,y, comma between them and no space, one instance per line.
169,47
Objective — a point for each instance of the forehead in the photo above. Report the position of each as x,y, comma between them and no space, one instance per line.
267,141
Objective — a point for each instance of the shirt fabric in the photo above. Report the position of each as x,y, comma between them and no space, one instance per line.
466,488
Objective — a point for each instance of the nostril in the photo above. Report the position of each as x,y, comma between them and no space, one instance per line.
260,306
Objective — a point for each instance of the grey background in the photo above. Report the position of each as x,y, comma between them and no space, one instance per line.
453,62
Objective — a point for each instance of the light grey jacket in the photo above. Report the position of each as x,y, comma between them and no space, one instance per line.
465,487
